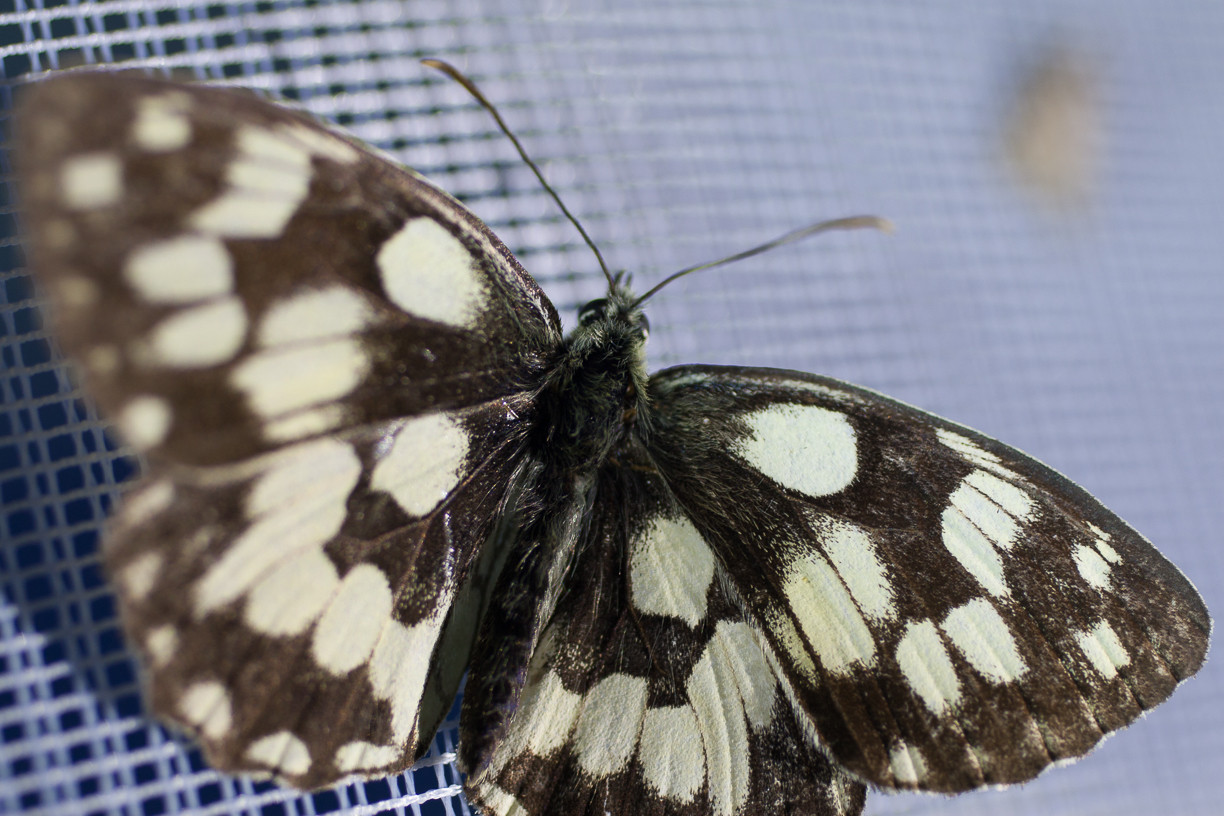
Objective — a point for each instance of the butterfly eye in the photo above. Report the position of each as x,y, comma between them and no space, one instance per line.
644,327
592,311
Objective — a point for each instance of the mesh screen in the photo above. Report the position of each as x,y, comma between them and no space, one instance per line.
1063,294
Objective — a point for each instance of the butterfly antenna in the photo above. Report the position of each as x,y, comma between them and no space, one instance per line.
853,222
455,74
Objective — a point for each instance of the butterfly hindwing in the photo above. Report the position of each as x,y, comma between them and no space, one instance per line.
949,612
323,359
652,695
327,617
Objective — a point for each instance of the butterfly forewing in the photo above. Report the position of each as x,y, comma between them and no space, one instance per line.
649,692
323,358
950,612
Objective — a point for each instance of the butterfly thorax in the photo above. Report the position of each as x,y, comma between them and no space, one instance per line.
597,391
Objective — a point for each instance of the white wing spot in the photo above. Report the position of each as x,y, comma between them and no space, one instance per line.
353,623
289,379
399,666
972,452
1107,552
282,751
201,336
720,717
802,447
549,712
1102,540
76,292
293,594
853,554
983,517
994,506
827,614
161,124
500,801
670,570
907,764
266,182
553,711
323,144
141,574
424,463
428,272
365,756
671,763
980,634
296,505
783,629
973,550
180,270
740,652
304,423
146,502
1011,501
925,664
162,643
1103,649
206,705
102,360
1092,567
91,181
145,421
314,315
607,729
304,477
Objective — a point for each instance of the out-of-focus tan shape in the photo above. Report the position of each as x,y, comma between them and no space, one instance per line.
1053,138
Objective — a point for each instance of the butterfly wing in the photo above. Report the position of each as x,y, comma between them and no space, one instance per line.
234,277
325,361
948,612
649,692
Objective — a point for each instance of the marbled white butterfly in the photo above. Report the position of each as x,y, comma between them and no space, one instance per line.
375,461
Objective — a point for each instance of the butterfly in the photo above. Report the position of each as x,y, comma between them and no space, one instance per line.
375,462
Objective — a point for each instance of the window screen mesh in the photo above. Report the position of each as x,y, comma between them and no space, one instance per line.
1064,295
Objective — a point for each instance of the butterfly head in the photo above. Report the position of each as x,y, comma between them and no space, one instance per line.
616,324
619,312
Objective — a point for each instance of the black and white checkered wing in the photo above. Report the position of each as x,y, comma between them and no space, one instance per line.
324,360
947,612
650,693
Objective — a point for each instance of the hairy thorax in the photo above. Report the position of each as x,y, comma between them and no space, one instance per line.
596,394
